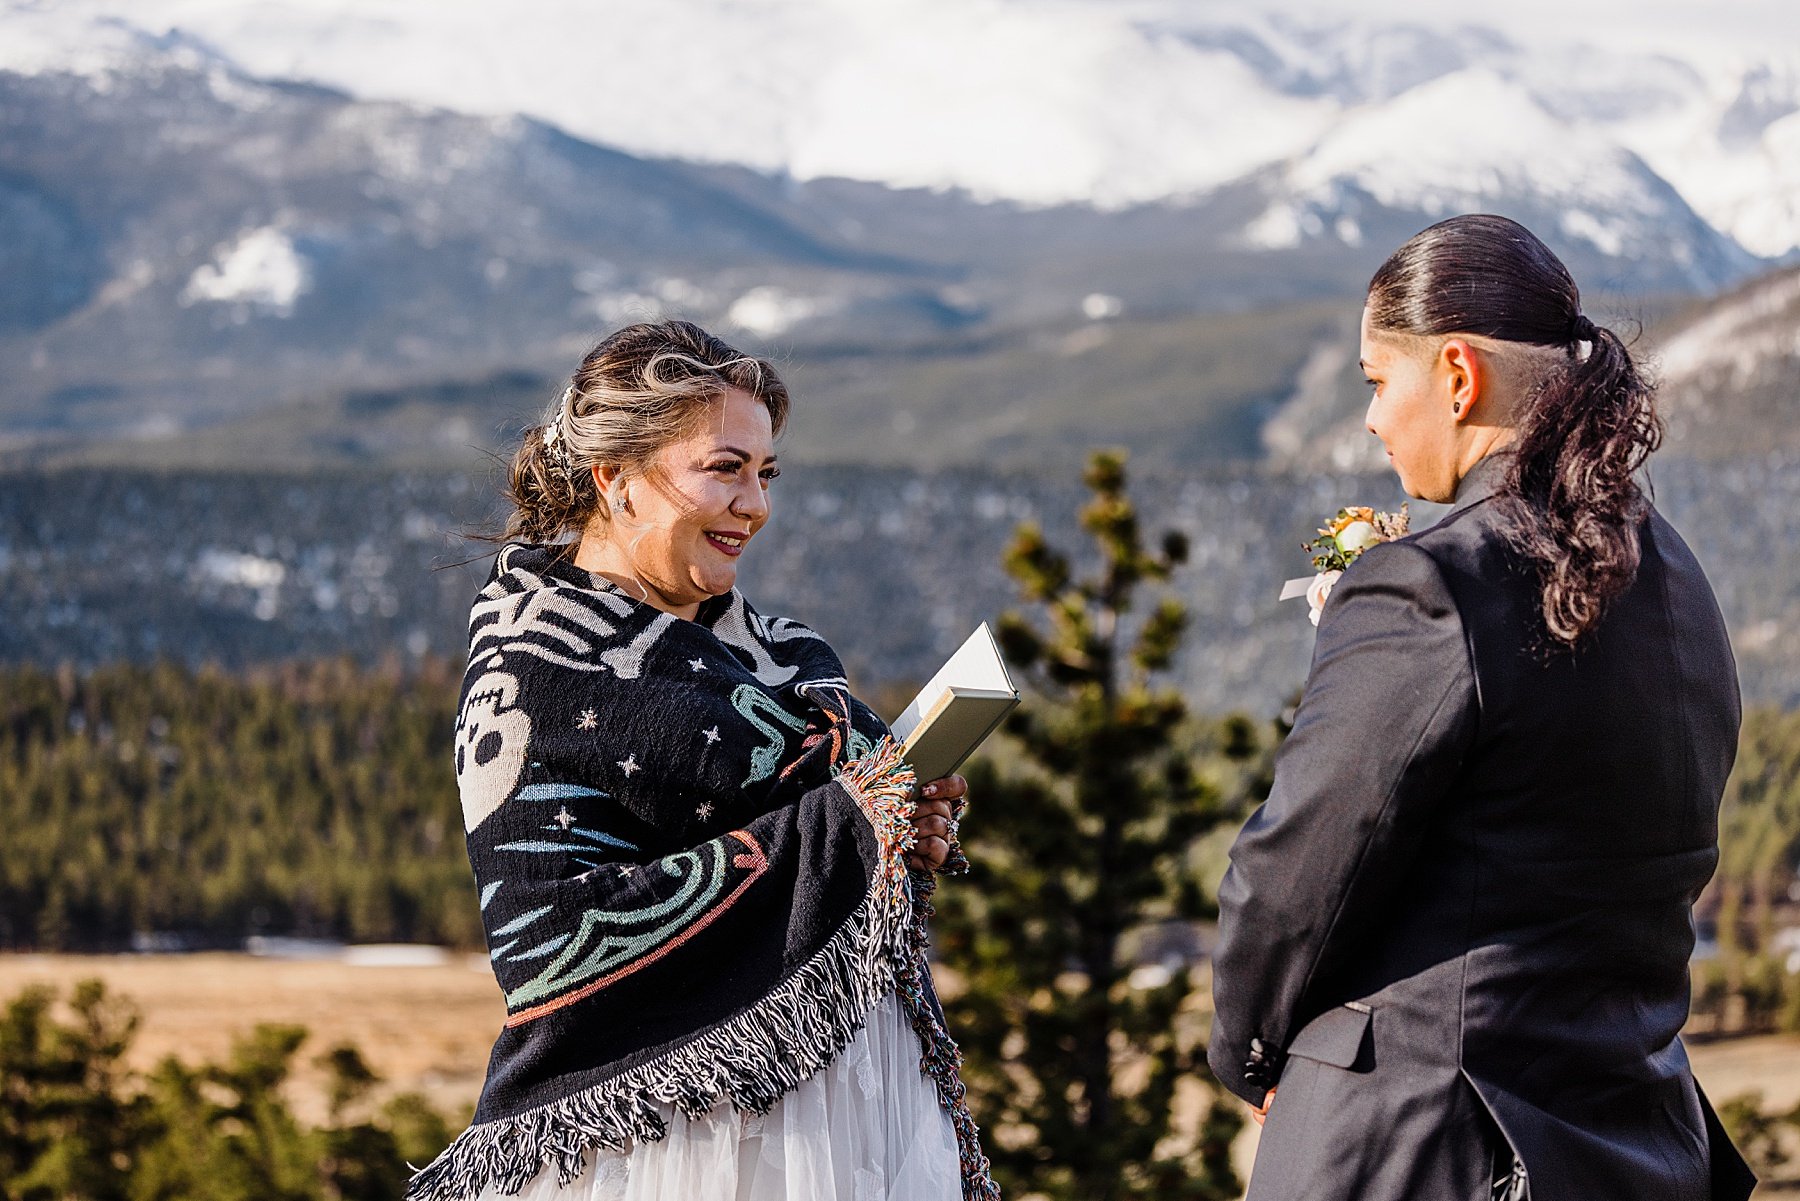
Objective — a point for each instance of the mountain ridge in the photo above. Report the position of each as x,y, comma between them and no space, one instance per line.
240,247
1110,104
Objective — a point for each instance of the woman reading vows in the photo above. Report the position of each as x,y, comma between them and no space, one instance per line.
702,869
1454,943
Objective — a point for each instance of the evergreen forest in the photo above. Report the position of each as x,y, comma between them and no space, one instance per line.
311,799
168,807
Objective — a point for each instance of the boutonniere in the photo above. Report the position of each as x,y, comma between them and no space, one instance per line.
1341,542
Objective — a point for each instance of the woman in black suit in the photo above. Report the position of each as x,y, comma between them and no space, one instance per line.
1454,943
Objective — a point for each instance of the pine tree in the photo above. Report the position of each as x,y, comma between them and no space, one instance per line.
76,1124
64,1125
1089,1077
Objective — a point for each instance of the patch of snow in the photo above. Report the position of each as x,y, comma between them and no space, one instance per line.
1101,306
395,954
274,947
260,268
1505,147
258,573
246,570
1732,149
767,310
1312,408
1605,236
1752,191
1728,334
1503,140
1281,226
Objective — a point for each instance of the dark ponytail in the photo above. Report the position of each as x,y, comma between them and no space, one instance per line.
1571,496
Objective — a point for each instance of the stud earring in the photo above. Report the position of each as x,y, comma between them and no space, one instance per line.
1457,407
619,503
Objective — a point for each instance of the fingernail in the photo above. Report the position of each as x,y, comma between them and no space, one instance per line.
931,790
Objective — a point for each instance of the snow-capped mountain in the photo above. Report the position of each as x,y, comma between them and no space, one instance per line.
1572,180
182,244
209,210
1044,102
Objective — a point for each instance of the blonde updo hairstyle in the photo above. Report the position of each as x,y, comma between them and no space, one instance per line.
636,392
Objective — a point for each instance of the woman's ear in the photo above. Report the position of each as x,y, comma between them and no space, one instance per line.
609,482
1464,374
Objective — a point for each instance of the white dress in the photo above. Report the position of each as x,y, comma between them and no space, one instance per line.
867,1128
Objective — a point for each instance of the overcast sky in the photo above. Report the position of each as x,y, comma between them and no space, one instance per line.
1754,25
1721,28
1720,25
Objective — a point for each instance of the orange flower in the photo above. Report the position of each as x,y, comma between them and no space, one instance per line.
1347,516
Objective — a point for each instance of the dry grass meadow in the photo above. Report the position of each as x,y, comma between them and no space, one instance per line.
422,1029
428,1029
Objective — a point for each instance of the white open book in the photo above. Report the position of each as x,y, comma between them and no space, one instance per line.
957,708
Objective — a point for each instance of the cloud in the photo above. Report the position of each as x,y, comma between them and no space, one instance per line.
1724,28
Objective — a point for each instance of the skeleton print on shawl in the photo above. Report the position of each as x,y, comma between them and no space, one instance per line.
688,839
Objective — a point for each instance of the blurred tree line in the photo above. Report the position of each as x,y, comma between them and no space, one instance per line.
310,799
1746,980
317,799
1749,984
77,1125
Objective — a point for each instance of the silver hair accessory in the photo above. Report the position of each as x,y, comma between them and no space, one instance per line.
555,447
556,450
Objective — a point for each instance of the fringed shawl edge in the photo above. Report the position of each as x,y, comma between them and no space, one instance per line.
766,1050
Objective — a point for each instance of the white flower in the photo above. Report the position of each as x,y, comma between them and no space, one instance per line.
1356,537
1320,589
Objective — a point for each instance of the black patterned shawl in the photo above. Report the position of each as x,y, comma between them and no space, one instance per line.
689,842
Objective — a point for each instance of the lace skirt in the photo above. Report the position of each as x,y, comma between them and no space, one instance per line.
867,1128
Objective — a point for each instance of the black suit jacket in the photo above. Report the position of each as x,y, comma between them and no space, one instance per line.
1461,924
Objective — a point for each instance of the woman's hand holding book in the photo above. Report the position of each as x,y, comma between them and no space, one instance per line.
934,823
